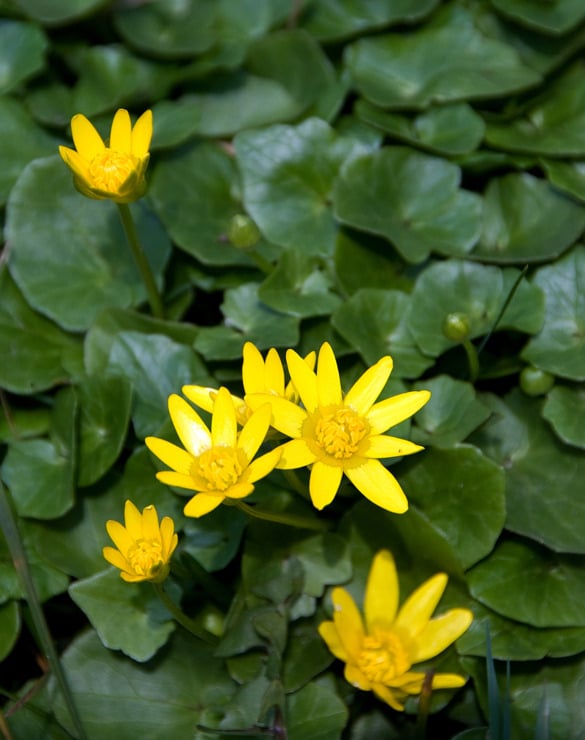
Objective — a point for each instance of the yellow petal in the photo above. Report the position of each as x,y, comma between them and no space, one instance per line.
119,536
142,134
328,381
130,577
417,610
115,557
168,537
202,504
76,163
382,592
395,409
287,417
439,633
304,379
150,527
121,132
324,483
200,395
254,431
366,389
273,373
356,678
448,681
348,622
253,369
132,520
328,632
223,421
378,485
178,480
175,457
85,137
261,467
382,445
191,430
390,696
295,454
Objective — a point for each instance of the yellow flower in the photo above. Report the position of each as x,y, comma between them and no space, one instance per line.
258,376
115,171
337,433
218,464
144,546
379,651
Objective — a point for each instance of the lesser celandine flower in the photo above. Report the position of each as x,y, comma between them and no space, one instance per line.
337,433
115,171
218,464
380,650
144,547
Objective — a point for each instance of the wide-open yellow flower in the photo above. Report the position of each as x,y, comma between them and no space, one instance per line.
218,464
115,171
380,650
337,433
144,547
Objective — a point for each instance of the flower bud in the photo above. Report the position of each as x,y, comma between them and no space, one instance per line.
535,382
243,232
456,326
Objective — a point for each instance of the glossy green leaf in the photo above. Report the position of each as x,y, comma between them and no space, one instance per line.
79,237
531,584
443,61
380,193
567,176
22,53
543,476
564,408
288,173
373,322
127,616
316,713
23,424
157,367
452,413
306,654
9,627
298,286
554,18
559,346
527,220
449,129
52,12
214,539
461,492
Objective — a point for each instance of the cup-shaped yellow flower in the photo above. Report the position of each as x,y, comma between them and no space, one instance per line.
144,547
337,433
116,171
380,650
219,463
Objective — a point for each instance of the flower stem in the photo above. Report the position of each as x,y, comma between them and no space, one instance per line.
154,298
293,521
261,262
18,554
472,359
181,618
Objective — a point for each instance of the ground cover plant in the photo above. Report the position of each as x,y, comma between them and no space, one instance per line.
292,340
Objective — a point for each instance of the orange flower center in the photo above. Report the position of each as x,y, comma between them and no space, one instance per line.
339,431
220,467
145,557
109,170
383,657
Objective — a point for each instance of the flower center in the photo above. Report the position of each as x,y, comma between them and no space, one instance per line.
145,557
109,170
383,657
339,431
220,467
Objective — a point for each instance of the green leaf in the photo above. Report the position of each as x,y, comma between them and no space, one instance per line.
299,286
214,539
449,129
9,627
531,584
373,322
288,173
306,655
443,61
381,193
527,220
77,237
54,12
315,713
554,18
567,176
452,413
157,367
22,53
543,476
127,616
461,492
564,408
559,347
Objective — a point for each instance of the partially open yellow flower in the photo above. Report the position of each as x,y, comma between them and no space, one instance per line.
144,547
115,171
379,651
337,433
218,464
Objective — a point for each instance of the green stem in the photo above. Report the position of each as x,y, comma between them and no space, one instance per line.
154,298
472,359
261,262
503,309
18,554
181,618
293,521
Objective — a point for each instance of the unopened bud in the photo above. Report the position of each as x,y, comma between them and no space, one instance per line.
456,326
243,232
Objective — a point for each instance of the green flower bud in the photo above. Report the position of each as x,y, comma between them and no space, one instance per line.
456,326
535,382
243,232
